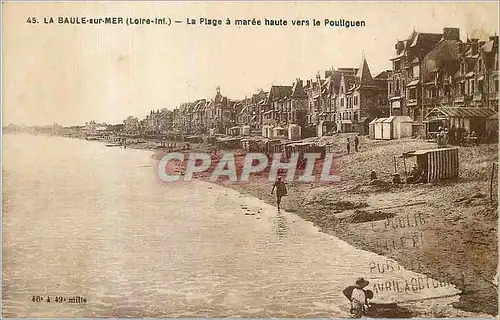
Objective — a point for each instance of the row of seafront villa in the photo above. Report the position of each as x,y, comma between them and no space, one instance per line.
436,80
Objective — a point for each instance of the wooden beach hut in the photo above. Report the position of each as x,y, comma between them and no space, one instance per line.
436,164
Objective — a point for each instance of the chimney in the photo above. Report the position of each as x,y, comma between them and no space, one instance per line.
308,83
451,34
473,46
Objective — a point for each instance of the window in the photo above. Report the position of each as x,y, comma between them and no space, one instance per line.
413,94
390,87
480,86
397,65
416,71
471,86
496,85
355,117
341,102
356,100
480,65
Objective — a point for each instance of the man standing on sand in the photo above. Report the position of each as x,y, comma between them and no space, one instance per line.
280,191
356,143
348,146
358,297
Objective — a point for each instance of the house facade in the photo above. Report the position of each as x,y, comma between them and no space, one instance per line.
360,99
404,87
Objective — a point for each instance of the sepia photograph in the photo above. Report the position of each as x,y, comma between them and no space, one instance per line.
238,159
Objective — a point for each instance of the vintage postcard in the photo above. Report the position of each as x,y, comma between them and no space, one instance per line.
250,159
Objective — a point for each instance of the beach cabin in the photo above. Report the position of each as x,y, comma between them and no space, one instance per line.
397,127
378,128
234,131
267,131
371,129
394,127
279,132
436,164
245,130
294,132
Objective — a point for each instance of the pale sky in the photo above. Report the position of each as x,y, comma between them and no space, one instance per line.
74,73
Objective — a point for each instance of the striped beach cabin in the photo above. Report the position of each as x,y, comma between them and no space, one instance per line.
437,164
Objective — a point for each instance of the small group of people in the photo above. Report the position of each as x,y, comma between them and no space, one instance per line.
359,297
356,144
416,175
170,146
456,136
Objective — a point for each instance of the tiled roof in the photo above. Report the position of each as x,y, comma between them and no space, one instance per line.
462,112
426,39
298,90
349,80
278,92
364,74
444,52
383,75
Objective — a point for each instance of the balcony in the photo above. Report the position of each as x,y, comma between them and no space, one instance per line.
459,99
411,102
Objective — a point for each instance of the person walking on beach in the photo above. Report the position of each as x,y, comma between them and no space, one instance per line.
280,191
348,146
356,143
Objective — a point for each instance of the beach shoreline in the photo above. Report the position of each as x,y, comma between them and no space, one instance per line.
450,227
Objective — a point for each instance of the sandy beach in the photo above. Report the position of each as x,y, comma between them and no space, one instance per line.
446,230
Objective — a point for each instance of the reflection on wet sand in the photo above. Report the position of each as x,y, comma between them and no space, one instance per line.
280,225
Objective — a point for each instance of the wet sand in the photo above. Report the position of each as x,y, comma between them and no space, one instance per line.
449,229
